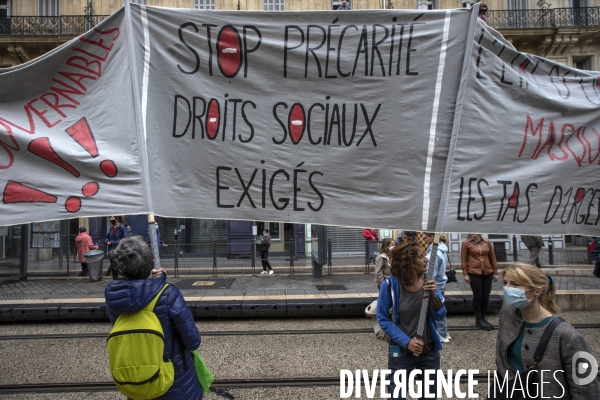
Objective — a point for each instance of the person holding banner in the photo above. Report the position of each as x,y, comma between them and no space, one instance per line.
403,293
439,276
479,267
528,327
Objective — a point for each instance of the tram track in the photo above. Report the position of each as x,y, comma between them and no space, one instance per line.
218,385
249,333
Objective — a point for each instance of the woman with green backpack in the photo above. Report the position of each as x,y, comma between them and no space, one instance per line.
149,348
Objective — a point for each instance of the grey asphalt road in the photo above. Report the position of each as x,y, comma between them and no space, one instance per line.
237,357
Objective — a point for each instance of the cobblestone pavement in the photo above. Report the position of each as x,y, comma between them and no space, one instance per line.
278,284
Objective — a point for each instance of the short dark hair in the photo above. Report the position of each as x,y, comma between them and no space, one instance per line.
82,229
410,234
134,258
429,234
266,230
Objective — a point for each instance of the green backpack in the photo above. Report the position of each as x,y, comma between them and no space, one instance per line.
135,354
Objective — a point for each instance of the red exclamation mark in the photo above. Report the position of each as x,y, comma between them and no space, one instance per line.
41,147
16,192
81,132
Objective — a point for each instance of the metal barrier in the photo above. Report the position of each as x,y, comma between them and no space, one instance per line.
214,258
515,250
550,251
371,249
329,254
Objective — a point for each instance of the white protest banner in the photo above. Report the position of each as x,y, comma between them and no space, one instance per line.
370,118
68,139
526,152
329,117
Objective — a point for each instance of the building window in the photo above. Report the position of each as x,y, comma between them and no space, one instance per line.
140,2
274,5
579,3
48,8
517,4
469,3
427,4
335,4
4,8
585,63
204,4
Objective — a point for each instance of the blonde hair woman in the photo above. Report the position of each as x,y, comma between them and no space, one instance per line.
530,295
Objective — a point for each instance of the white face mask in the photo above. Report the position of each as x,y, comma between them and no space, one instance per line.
391,248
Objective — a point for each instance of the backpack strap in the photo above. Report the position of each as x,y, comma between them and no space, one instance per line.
389,285
541,348
150,306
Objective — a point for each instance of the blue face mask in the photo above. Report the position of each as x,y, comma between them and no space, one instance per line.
515,297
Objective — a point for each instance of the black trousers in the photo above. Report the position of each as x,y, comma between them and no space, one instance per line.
113,268
264,259
481,285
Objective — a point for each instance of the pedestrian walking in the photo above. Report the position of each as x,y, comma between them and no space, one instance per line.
440,278
265,245
83,244
408,286
345,6
530,295
140,286
382,261
534,245
114,236
479,267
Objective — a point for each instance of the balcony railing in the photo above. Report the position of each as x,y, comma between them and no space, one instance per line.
543,18
498,19
63,25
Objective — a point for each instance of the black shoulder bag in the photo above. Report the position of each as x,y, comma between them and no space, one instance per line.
532,370
451,273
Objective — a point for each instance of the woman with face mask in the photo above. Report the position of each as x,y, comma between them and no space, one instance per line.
530,295
382,262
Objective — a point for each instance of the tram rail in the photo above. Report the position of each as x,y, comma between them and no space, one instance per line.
248,333
219,385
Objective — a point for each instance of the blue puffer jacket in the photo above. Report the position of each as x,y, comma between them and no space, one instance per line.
130,296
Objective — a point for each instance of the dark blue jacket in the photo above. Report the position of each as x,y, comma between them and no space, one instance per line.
384,303
130,296
115,238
